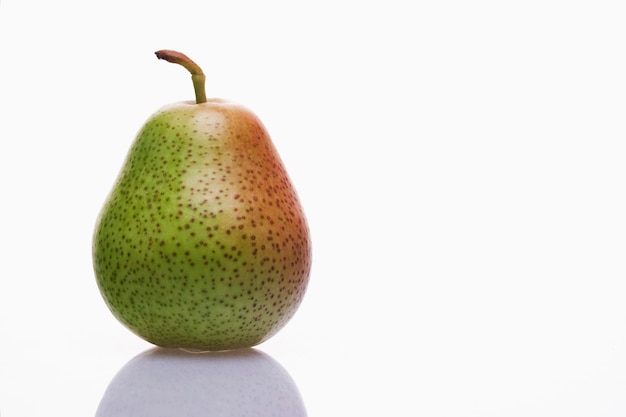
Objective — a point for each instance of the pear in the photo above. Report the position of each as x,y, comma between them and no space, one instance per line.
202,243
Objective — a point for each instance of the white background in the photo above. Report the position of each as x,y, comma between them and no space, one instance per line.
462,165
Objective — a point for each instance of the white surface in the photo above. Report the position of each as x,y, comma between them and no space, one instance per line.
461,165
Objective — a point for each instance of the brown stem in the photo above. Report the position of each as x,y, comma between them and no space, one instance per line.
197,76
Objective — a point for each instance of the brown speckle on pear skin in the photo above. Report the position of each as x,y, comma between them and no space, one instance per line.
203,243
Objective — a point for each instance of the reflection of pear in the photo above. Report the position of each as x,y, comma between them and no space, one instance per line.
174,383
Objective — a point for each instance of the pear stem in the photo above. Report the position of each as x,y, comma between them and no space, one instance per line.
197,76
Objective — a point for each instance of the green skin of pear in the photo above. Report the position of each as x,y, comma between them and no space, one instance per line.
202,243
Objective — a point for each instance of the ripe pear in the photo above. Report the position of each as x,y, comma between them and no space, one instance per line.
202,243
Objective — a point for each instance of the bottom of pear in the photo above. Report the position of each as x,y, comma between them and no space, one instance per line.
206,346
200,351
